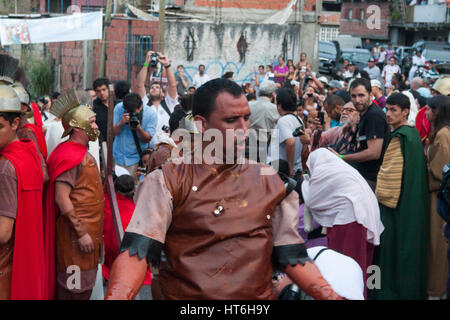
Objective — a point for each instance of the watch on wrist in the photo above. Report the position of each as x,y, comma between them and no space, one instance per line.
168,66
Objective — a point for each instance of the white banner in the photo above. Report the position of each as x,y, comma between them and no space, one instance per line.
74,27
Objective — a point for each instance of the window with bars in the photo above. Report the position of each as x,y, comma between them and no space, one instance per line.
142,45
328,33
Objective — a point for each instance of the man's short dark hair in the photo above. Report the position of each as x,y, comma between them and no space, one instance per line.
202,65
175,117
344,95
121,88
125,185
361,82
398,99
100,82
261,66
333,101
10,116
287,99
205,96
132,102
187,101
269,66
180,66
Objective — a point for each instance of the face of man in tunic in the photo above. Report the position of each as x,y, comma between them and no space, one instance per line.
7,131
395,116
233,114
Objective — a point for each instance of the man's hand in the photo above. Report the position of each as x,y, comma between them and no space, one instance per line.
304,138
86,244
125,119
148,57
163,60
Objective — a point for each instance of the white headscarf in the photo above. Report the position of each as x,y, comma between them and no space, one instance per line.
413,110
337,194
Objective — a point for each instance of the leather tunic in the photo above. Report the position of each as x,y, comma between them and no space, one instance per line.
88,199
224,256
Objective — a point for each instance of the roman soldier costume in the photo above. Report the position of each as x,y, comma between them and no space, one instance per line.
71,163
22,267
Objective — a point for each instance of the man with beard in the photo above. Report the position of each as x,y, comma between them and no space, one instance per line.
101,105
74,199
163,106
218,223
341,139
372,133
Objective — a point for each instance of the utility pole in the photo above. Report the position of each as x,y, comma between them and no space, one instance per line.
161,25
310,31
106,24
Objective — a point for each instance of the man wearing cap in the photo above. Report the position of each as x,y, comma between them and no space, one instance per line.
350,71
22,266
388,72
263,118
441,86
373,71
74,199
417,61
432,74
377,93
334,86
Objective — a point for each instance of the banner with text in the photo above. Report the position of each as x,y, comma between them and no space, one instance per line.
74,27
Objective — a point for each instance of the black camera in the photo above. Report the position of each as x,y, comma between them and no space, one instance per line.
298,132
165,128
321,116
153,60
134,120
310,95
44,100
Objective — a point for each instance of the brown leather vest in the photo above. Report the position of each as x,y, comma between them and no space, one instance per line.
87,199
224,256
6,256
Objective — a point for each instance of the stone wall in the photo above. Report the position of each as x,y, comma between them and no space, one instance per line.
216,47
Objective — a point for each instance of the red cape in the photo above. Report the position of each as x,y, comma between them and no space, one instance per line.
126,209
37,115
28,268
66,156
40,138
422,124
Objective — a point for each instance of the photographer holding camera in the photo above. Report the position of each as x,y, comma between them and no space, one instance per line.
163,106
289,127
134,128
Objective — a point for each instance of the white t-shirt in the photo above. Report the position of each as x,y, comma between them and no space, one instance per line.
163,116
382,56
200,80
388,72
284,127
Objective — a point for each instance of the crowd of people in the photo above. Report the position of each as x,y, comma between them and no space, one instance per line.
351,169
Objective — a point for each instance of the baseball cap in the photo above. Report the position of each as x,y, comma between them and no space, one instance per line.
371,60
335,84
424,92
375,83
434,61
323,79
350,62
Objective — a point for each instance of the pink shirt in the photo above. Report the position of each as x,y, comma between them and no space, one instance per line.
277,69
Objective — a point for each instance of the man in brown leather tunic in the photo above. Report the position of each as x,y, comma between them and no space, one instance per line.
78,194
218,224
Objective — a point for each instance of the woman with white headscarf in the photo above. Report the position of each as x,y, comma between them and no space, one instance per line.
340,199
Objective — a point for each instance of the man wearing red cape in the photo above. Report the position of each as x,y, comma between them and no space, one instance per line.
22,267
74,201
28,130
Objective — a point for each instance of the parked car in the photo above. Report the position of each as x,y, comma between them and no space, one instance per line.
328,54
434,45
359,57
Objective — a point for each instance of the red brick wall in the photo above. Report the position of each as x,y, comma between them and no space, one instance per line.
116,57
357,27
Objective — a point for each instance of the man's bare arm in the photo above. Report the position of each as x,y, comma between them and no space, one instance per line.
373,152
6,229
127,277
290,153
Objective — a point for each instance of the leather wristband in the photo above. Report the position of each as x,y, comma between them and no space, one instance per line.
168,66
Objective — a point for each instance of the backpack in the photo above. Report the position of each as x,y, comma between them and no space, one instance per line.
443,196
